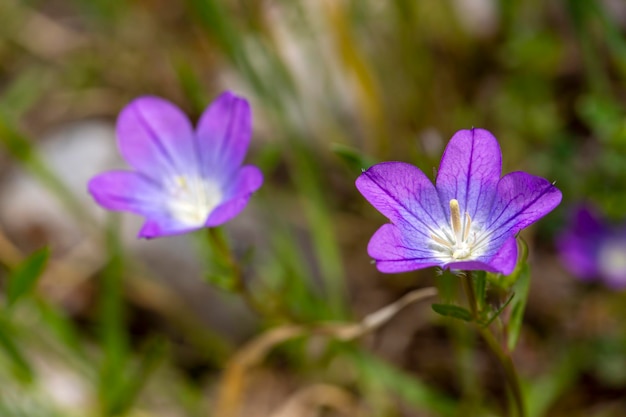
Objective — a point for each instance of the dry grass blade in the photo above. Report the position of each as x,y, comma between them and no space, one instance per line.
307,401
233,382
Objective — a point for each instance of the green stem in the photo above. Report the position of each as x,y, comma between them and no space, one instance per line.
503,356
219,243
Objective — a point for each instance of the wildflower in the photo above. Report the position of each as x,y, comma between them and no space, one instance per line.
182,179
468,220
592,249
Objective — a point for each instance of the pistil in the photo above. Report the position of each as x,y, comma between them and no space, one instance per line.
455,215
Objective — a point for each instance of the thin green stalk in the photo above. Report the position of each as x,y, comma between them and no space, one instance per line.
503,356
219,243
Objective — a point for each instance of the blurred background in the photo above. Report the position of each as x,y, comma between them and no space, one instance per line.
118,326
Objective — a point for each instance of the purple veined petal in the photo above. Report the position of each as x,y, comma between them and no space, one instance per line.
395,252
469,172
156,138
223,134
248,180
126,191
505,259
402,193
521,200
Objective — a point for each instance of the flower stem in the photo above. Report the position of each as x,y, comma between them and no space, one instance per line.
220,245
496,348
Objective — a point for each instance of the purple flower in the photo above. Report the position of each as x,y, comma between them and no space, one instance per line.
590,248
182,179
467,220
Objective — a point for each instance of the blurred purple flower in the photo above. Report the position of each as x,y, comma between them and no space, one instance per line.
590,248
183,179
467,220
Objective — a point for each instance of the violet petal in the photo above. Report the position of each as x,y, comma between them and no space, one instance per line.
223,133
163,225
469,172
521,200
579,244
156,138
392,253
126,191
249,178
404,195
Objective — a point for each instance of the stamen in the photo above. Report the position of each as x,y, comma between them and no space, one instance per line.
468,226
441,241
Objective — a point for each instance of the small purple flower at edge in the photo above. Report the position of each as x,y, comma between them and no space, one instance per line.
182,179
467,220
590,248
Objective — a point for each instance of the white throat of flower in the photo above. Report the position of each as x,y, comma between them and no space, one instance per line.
193,198
459,242
612,259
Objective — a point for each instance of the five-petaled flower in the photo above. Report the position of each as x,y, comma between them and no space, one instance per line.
182,179
591,248
468,220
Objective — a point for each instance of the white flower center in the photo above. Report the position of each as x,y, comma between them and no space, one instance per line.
459,242
193,198
612,259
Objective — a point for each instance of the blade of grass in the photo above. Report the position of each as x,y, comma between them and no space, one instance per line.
112,322
19,364
416,393
21,148
127,392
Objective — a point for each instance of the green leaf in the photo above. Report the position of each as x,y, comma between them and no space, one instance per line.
521,288
499,311
450,310
24,277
